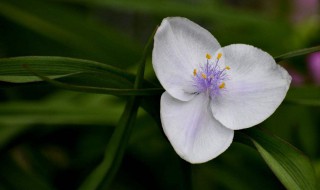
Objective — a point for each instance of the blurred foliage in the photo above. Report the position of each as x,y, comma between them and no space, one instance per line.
53,139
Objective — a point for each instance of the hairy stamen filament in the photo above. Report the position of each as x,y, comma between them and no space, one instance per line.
211,78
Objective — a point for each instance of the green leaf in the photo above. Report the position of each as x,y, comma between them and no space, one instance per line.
297,53
12,69
114,151
102,176
293,168
99,90
76,74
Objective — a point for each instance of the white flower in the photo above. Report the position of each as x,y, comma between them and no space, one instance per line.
208,97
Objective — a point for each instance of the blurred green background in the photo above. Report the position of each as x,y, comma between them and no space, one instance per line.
52,138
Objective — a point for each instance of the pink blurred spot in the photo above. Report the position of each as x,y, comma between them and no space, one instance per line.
314,66
304,9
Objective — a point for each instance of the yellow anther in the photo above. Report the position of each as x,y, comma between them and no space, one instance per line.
208,56
203,75
219,55
222,85
228,68
194,72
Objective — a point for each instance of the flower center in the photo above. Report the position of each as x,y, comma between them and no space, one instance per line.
210,77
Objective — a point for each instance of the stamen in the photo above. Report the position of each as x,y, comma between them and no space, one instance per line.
222,85
210,78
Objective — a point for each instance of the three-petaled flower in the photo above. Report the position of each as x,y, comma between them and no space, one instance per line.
211,91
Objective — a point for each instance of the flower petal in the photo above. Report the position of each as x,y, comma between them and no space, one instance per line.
193,132
256,87
179,46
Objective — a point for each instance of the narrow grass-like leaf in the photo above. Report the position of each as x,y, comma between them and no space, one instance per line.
114,151
12,70
297,53
292,168
102,176
84,75
99,90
